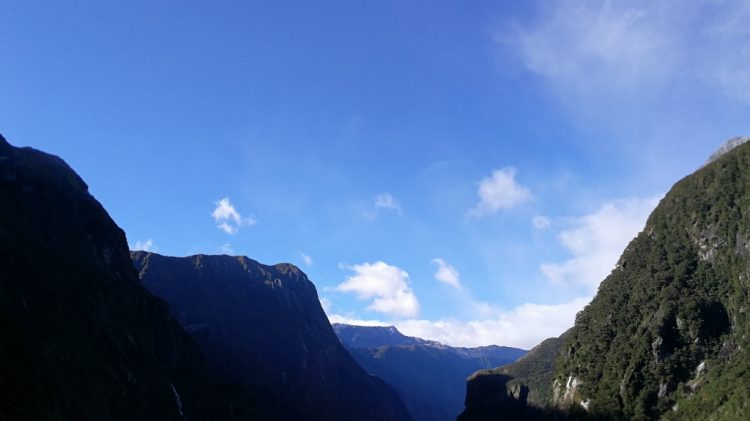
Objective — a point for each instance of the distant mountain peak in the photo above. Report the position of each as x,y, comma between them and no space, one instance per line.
376,336
726,147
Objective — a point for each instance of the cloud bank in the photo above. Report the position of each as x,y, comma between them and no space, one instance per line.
596,241
523,326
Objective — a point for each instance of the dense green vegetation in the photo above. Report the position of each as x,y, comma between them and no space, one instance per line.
535,370
521,390
666,336
667,333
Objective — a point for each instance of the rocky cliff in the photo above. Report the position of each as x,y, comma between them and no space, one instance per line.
80,338
263,328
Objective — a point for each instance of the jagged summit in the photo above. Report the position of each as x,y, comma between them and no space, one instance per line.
726,147
376,336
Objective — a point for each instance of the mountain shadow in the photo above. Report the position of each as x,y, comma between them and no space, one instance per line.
80,338
262,328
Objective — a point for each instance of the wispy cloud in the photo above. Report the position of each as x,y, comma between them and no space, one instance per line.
597,240
228,219
307,259
634,49
541,223
446,273
387,286
147,245
385,201
499,191
226,248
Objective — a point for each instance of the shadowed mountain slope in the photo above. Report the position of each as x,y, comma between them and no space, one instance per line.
263,327
80,338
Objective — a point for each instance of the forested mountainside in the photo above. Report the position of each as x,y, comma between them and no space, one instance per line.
667,334
521,390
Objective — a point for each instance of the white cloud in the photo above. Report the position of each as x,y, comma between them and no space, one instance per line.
226,248
596,241
499,191
446,273
387,286
540,222
387,201
524,326
147,245
382,201
307,259
228,219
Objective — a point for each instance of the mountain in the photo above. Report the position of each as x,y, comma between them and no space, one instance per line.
521,390
374,336
80,338
430,377
667,335
262,327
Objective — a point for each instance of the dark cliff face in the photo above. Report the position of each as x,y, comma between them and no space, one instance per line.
80,337
429,376
263,327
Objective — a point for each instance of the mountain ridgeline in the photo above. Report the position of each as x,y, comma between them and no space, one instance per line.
667,336
263,329
81,338
429,377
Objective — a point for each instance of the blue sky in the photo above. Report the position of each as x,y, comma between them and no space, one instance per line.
466,171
